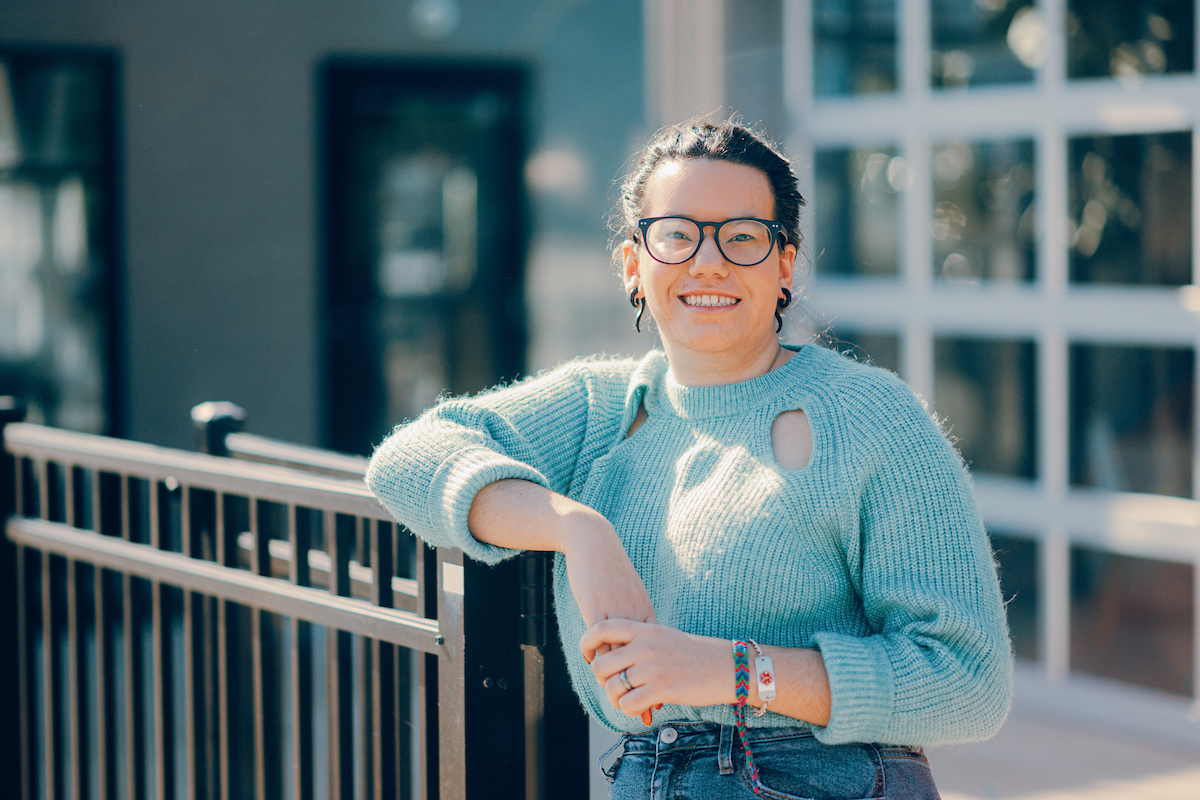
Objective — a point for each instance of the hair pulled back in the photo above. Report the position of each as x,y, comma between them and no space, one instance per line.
726,141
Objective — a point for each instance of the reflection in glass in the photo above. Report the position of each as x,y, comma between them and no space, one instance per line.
1131,619
872,347
978,42
984,214
1125,40
427,225
55,248
1017,563
854,46
858,211
1131,418
1131,209
986,391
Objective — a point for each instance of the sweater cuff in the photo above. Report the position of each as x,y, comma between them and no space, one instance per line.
860,686
454,487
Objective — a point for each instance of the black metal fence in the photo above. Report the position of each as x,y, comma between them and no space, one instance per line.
192,625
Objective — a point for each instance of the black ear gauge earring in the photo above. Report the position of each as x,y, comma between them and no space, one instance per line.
781,304
640,305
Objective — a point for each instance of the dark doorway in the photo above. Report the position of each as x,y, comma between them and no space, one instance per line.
424,238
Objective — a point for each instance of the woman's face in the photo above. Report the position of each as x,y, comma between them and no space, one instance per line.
708,304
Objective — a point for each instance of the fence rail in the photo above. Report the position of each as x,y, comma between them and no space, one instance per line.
162,654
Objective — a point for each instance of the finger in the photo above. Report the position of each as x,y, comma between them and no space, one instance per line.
647,718
609,632
611,663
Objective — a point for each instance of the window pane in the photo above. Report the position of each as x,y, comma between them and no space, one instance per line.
984,214
1124,39
854,48
1131,619
1131,418
880,349
987,393
977,42
1017,562
57,241
1131,209
858,211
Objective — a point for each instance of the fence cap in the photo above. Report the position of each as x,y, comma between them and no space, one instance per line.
212,410
12,409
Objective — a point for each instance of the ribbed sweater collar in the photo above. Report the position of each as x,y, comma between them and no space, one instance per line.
699,402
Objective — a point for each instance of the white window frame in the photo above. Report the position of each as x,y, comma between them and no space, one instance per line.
1049,311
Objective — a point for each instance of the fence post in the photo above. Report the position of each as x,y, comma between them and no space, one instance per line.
213,421
11,410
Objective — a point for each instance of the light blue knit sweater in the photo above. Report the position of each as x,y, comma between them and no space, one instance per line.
874,552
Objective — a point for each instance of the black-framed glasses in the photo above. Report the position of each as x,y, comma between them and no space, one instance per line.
744,241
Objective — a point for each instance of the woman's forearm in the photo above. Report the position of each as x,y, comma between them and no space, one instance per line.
801,684
525,516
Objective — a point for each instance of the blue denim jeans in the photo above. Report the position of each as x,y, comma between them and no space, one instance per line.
702,760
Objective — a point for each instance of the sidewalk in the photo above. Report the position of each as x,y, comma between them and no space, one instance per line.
1083,739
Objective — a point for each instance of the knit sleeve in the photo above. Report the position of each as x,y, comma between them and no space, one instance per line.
427,473
938,667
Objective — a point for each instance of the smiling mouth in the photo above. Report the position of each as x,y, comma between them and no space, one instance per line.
709,301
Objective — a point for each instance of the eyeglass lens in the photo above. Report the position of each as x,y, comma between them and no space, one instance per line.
673,240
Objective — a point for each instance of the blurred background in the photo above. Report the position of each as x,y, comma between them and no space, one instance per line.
333,213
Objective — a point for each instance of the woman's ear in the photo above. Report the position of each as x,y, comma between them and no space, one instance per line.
787,266
631,272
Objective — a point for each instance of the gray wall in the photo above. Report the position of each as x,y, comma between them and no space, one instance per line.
220,170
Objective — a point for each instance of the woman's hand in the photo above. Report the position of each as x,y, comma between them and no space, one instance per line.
663,664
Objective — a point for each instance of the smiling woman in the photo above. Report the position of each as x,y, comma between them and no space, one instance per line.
729,501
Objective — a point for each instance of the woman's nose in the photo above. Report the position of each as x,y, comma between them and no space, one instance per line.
708,259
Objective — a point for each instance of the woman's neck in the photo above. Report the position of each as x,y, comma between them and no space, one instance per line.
695,368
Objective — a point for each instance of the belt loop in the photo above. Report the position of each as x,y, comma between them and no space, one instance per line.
725,750
610,774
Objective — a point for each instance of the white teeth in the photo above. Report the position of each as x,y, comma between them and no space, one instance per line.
709,300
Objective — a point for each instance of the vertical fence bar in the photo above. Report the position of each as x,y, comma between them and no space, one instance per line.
101,692
222,698
158,717
22,647
22,654
423,712
47,640
73,766
451,678
382,670
127,640
189,675
260,775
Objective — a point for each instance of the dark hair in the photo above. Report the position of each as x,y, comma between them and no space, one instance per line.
727,141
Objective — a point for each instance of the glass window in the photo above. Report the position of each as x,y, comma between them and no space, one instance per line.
1017,563
978,42
56,236
1125,40
858,211
1131,418
1131,209
986,391
854,47
872,347
984,215
1131,619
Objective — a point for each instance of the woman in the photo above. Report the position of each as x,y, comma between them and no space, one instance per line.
728,497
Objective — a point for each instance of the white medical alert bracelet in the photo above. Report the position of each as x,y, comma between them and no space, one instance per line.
764,672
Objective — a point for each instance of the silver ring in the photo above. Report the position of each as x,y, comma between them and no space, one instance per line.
625,681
